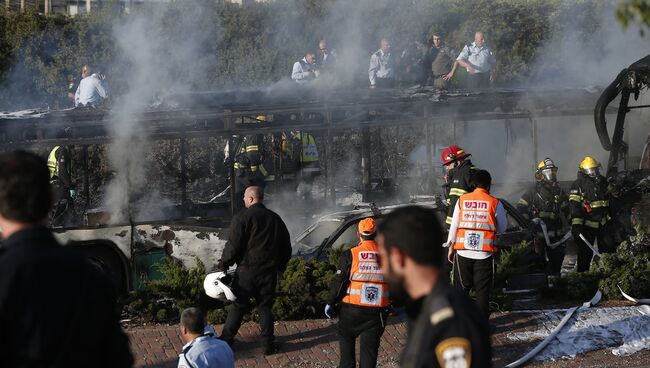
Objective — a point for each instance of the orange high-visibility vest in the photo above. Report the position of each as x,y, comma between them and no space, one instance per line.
477,227
367,286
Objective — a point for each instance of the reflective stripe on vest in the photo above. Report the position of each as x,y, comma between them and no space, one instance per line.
53,163
477,225
309,148
367,286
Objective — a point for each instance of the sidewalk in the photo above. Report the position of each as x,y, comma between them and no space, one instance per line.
313,343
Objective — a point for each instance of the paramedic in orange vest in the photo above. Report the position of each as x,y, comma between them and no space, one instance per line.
360,290
478,218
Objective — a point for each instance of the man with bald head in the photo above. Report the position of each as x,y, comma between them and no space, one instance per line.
259,243
92,88
479,61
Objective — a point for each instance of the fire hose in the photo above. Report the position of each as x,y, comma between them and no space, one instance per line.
555,331
539,222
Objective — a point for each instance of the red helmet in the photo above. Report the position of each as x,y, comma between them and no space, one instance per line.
452,154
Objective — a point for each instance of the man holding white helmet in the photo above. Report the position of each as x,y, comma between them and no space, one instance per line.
259,243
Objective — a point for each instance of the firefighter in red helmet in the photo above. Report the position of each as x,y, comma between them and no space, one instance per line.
458,178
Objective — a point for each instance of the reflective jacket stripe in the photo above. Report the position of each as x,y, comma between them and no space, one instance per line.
575,197
577,221
53,163
457,191
367,277
384,294
473,225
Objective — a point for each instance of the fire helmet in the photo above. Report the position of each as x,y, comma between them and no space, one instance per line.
367,226
590,166
546,170
452,154
215,288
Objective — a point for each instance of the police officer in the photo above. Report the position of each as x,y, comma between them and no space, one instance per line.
548,202
590,214
381,71
202,348
458,180
445,328
63,192
360,287
479,61
259,243
478,218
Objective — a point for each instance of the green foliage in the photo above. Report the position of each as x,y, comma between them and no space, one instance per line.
257,44
303,291
633,11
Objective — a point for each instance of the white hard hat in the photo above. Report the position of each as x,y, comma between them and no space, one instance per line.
216,289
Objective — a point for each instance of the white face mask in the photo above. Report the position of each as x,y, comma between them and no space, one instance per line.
550,174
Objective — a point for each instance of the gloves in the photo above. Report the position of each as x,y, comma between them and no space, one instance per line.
73,193
329,311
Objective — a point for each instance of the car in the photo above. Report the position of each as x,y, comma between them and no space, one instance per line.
338,231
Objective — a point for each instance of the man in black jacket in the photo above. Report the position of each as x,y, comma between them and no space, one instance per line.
260,245
458,180
56,309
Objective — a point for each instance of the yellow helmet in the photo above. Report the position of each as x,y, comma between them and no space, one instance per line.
589,163
261,118
589,166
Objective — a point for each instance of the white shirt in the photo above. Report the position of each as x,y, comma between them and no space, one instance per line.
206,352
303,72
502,225
91,91
481,58
381,66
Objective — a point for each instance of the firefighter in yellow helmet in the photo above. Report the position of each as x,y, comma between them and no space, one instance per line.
63,190
360,290
590,213
548,202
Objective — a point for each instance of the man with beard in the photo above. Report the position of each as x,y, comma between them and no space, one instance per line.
445,327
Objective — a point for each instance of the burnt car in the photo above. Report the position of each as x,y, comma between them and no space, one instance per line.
338,231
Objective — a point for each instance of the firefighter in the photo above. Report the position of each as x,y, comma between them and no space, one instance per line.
590,213
477,219
445,328
309,161
63,192
458,180
360,288
548,202
249,164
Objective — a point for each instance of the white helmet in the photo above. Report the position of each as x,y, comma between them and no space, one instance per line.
216,289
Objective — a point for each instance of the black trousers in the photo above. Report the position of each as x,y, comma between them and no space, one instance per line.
605,244
475,274
368,323
478,80
247,285
555,258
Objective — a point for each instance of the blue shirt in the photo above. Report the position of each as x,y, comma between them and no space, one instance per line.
91,91
206,352
481,58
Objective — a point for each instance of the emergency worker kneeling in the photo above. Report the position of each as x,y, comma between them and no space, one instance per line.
362,294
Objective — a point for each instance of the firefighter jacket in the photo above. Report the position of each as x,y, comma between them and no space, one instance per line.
458,183
58,162
477,227
549,203
589,201
359,280
249,160
309,159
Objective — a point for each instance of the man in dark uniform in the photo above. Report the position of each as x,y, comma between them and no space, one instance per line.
360,288
590,214
60,167
259,243
445,328
442,60
459,176
56,308
548,202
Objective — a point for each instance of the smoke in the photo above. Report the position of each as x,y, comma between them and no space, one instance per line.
160,50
